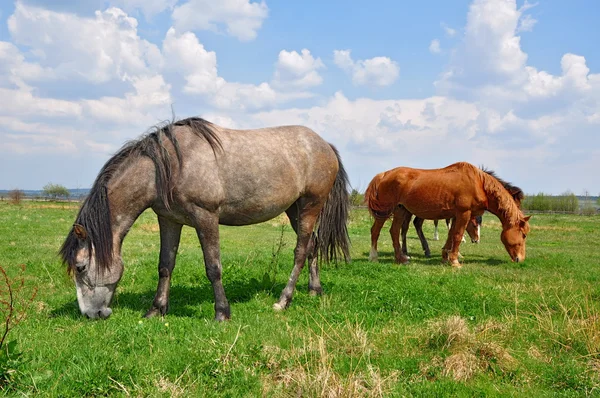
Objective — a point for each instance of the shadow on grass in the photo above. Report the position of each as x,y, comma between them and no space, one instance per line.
184,300
387,257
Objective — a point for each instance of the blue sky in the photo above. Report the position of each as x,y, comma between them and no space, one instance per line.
512,85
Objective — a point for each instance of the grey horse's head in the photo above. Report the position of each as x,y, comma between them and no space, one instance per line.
95,285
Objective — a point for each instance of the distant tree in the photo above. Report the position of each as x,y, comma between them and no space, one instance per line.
56,191
356,198
16,196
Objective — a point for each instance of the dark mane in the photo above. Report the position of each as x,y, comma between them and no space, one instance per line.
95,215
515,192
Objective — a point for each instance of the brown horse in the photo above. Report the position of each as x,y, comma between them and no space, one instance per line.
458,191
195,173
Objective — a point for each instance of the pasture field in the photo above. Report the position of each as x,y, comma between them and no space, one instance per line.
492,328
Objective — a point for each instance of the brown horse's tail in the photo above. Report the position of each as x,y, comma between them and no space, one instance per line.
332,233
377,208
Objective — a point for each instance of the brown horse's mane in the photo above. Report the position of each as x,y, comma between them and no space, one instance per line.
516,192
507,204
94,214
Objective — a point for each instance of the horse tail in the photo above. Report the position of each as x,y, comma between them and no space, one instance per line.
333,239
377,208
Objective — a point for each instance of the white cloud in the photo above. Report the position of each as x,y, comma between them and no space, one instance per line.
526,24
199,67
378,71
241,18
450,32
434,47
294,70
96,49
16,71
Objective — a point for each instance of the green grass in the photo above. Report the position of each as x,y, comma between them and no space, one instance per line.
492,328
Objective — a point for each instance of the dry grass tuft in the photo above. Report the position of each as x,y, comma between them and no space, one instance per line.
461,366
309,369
449,333
466,352
150,227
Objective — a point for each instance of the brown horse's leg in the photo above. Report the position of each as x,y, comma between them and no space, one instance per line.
436,235
306,223
375,231
446,248
170,233
208,234
418,223
401,218
456,233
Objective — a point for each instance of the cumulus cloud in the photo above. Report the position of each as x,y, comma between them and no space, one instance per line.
378,71
200,71
94,49
297,70
241,18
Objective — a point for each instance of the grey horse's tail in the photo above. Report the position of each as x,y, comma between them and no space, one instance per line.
332,233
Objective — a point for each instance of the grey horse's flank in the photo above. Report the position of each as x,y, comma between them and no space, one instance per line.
195,173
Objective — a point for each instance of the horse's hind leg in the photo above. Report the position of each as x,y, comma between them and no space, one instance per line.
307,217
436,235
314,282
170,233
375,231
418,223
401,220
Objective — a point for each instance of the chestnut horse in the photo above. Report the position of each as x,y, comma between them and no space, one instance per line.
460,191
195,173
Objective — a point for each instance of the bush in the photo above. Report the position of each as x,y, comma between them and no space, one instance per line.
56,191
567,202
16,196
356,198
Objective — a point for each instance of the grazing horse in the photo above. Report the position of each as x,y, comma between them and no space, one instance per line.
195,173
460,191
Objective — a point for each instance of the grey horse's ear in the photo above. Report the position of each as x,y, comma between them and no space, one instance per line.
80,231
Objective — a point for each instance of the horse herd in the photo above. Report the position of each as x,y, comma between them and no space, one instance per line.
192,172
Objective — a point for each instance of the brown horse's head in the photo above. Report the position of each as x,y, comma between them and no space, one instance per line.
513,236
474,229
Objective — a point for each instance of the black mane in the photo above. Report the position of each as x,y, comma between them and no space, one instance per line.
94,215
515,192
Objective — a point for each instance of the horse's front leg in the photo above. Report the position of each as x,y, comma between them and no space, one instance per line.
375,231
208,234
418,223
306,225
170,233
455,235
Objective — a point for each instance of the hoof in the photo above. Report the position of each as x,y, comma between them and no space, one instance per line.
279,307
315,292
152,312
373,256
403,260
222,317
427,254
456,264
